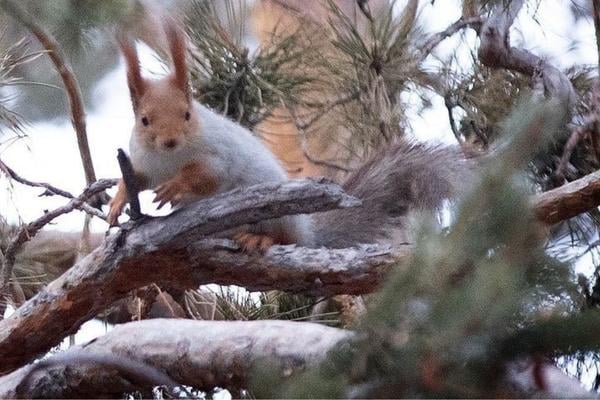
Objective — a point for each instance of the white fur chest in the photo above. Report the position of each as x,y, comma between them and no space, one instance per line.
159,166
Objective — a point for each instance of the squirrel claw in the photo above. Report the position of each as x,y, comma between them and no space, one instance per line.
253,243
169,192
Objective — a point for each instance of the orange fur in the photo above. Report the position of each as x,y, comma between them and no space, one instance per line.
135,82
193,179
117,204
252,242
188,152
176,39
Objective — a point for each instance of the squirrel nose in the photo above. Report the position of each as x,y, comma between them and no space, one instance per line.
171,143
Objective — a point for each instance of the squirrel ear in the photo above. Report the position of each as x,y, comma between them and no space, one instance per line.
137,84
177,47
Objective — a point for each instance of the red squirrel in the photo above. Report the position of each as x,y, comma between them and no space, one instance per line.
184,151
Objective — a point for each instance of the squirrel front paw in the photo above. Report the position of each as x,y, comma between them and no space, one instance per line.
252,243
171,191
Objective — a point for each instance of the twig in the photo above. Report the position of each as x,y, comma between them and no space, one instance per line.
363,5
326,108
437,38
51,190
131,185
28,231
450,104
73,91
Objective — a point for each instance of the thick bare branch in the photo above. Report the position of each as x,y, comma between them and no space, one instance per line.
205,354
164,250
569,200
75,100
66,303
495,51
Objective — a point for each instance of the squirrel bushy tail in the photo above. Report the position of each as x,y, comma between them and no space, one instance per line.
406,176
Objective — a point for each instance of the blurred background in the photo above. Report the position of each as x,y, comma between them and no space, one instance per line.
323,83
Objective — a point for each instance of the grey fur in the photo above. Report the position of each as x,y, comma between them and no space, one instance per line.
405,177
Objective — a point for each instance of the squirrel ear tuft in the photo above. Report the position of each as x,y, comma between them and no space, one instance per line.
135,81
177,47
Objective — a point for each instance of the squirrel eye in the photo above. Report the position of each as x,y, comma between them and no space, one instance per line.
145,121
187,115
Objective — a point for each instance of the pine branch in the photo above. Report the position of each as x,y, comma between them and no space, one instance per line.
568,201
495,51
31,229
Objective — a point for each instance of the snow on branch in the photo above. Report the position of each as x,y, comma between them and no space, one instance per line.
206,354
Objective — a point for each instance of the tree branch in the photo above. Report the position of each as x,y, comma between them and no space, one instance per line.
53,190
9,172
596,13
206,354
76,107
301,127
165,249
203,354
495,51
434,40
31,229
168,251
569,200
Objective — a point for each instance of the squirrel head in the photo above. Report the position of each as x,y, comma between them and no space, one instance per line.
165,117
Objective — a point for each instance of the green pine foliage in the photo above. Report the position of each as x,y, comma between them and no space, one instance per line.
474,296
243,84
12,56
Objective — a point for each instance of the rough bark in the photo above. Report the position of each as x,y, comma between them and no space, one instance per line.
166,250
569,200
205,354
495,51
